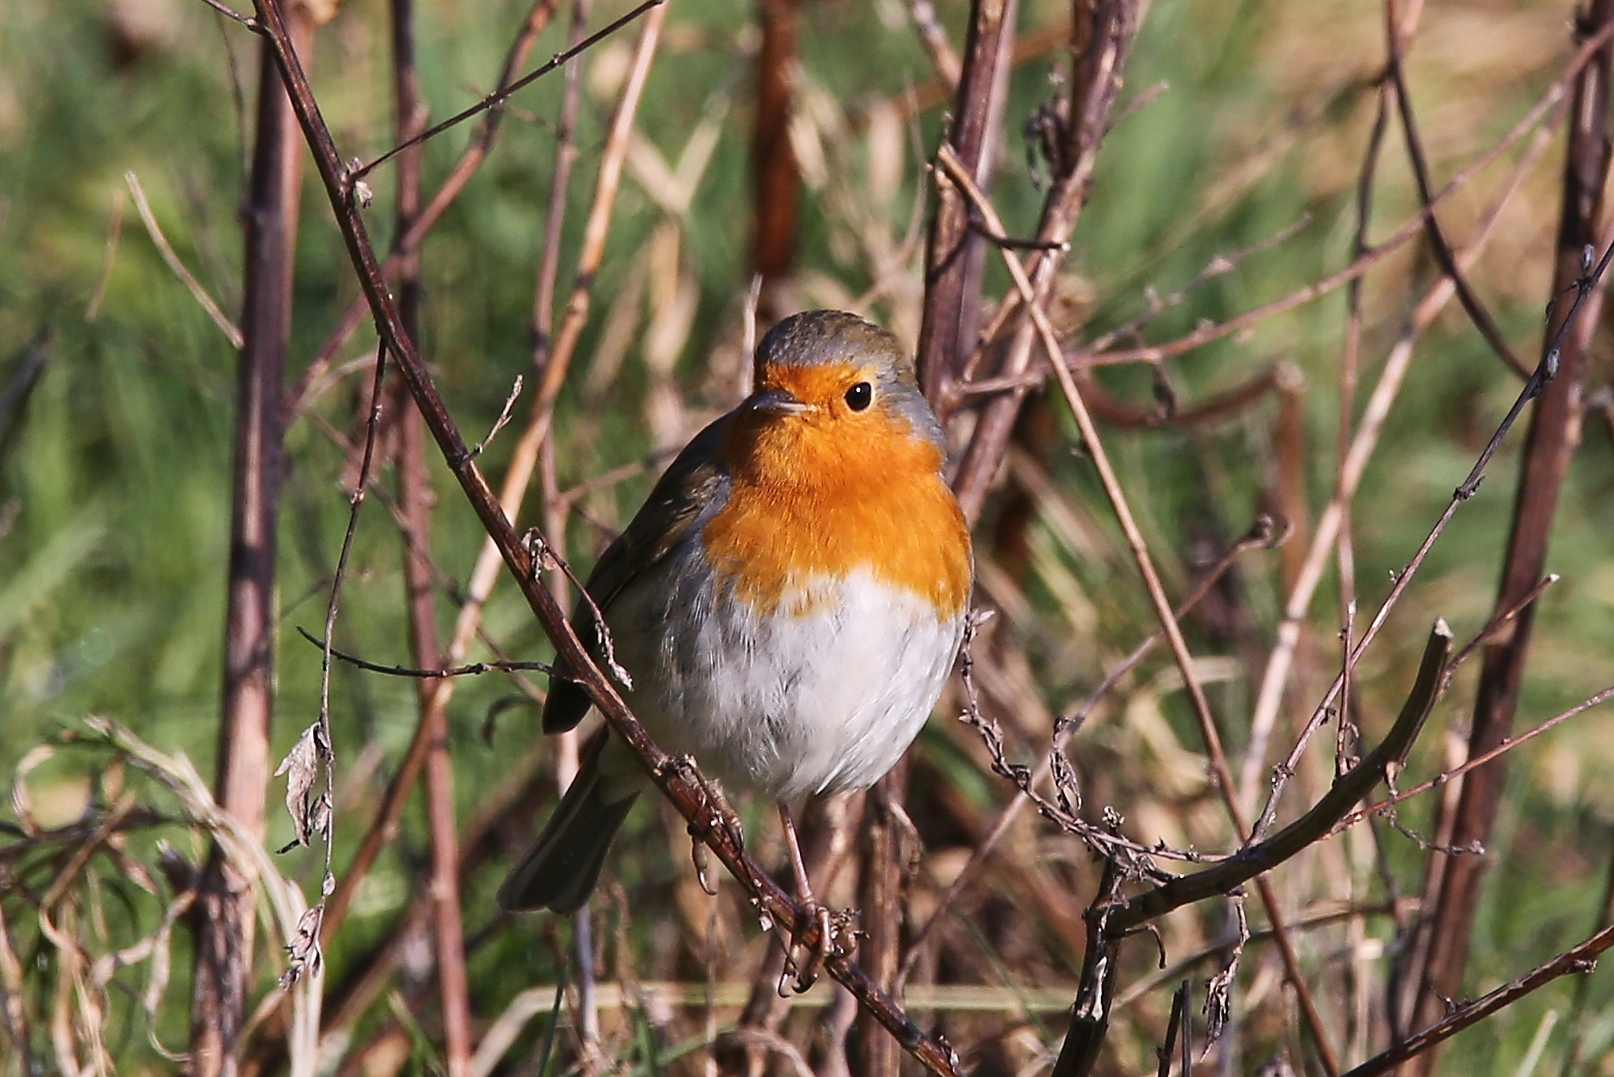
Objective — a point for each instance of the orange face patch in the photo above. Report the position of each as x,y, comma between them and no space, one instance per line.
823,385
831,491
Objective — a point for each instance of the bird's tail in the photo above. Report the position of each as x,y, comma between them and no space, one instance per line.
563,866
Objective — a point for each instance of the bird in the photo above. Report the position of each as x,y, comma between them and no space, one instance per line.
787,604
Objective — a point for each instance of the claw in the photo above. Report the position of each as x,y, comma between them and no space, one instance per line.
827,934
703,860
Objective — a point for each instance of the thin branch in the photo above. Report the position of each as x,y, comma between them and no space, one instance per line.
952,258
1098,353
469,670
230,13
1579,960
500,96
503,420
1437,237
470,161
1263,535
1349,475
416,501
226,924
1507,745
1105,37
1452,885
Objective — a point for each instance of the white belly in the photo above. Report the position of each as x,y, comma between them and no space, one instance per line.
783,703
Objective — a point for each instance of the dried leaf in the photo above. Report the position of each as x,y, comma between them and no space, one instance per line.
304,949
1219,991
301,768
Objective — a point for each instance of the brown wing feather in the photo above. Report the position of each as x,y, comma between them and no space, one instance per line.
693,484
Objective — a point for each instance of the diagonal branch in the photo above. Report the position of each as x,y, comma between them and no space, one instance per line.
1317,823
1396,73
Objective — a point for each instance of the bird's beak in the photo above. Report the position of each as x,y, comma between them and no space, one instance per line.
778,402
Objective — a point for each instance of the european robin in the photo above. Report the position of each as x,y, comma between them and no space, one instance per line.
788,603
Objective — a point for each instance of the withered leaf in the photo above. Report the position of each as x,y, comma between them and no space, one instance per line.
301,768
304,949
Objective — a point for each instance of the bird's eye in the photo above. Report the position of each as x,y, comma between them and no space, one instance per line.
859,396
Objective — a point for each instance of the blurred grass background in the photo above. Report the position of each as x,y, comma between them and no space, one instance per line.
115,490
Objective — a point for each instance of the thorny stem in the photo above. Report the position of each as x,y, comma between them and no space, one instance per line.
1262,536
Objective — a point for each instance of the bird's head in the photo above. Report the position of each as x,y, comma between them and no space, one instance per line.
827,373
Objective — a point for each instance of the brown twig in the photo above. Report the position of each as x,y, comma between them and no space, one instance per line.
416,500
498,97
1578,959
881,913
953,254
1090,1015
1254,859
1099,352
1396,75
776,175
556,512
1477,761
1452,883
1104,35
1348,476
1176,1024
560,186
227,919
481,583
1533,388
1263,535
470,669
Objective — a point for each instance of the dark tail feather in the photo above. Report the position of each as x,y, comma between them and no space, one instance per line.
563,866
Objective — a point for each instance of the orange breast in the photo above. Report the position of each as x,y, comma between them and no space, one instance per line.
821,496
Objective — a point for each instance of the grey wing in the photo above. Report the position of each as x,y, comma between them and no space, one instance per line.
690,489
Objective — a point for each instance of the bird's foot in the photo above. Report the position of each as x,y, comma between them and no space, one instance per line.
819,935
817,932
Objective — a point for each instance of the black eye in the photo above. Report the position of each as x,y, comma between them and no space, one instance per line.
859,396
